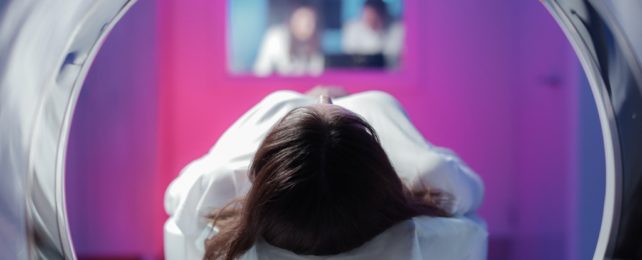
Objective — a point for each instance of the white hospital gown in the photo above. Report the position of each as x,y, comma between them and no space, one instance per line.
218,177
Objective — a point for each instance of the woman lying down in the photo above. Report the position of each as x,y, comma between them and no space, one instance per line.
299,178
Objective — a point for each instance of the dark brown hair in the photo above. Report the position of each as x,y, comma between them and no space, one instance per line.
322,185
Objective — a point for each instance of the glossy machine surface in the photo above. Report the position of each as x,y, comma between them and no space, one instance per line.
46,48
607,38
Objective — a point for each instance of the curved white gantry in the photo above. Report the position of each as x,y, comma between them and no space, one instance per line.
607,39
46,48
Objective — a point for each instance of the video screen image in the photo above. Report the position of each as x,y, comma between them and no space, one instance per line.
308,37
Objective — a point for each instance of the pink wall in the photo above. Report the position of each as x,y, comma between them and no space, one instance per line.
458,88
547,124
475,80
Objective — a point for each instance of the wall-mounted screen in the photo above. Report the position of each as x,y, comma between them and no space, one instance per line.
308,37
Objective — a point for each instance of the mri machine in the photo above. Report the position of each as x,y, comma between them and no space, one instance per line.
47,47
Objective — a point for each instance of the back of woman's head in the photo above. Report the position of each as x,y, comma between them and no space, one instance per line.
322,184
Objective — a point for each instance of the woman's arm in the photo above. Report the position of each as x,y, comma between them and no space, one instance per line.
418,163
443,171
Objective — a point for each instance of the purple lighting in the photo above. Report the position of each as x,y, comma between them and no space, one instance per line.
473,79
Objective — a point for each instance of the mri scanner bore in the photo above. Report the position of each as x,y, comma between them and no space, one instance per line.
46,49
609,45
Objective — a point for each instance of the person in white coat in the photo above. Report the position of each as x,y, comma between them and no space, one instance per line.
374,32
415,202
292,48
